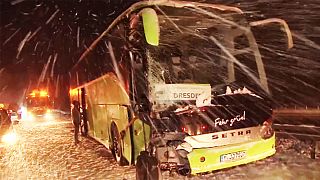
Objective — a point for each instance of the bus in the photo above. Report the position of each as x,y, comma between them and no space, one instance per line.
178,86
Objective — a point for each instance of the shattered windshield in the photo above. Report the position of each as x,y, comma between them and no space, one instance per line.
209,47
192,60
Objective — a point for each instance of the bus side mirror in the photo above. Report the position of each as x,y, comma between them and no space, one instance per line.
282,23
151,26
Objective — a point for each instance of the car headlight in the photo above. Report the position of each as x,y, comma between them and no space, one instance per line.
9,138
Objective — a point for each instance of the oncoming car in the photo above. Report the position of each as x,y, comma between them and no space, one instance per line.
7,133
14,117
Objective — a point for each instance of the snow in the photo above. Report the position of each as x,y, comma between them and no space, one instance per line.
46,150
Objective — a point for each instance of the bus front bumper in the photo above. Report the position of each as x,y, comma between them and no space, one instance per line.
210,159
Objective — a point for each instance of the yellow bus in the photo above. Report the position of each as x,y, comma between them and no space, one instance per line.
177,86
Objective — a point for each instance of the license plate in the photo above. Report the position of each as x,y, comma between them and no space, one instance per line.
233,156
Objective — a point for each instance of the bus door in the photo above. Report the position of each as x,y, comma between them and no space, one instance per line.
84,125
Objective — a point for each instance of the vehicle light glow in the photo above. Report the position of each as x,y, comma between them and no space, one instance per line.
184,129
203,127
24,112
48,116
43,93
10,138
31,116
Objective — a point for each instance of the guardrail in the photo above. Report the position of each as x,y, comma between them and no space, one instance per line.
302,124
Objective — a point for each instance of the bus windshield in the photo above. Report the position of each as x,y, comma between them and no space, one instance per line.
188,62
194,48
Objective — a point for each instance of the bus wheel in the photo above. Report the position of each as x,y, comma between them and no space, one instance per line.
147,167
116,146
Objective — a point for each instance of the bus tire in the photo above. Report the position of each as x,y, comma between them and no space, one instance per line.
147,167
116,147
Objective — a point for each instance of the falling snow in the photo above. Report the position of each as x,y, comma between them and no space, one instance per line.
43,39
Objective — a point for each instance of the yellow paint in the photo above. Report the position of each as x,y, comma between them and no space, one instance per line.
255,150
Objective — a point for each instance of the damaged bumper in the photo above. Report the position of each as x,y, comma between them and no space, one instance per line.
210,159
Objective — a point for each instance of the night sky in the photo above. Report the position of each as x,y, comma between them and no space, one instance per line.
34,31
53,33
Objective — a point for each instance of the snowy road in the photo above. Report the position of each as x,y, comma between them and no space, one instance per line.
45,150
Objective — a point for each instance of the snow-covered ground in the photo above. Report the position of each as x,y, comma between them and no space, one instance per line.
46,150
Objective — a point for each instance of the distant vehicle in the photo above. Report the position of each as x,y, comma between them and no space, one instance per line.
14,112
37,105
14,116
7,133
177,86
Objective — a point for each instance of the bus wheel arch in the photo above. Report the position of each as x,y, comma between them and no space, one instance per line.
116,145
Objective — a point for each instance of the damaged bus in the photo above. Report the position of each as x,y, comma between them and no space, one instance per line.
178,86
